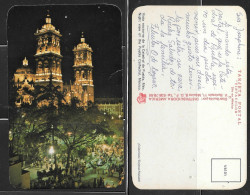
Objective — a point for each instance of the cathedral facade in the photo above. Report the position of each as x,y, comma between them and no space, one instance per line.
48,61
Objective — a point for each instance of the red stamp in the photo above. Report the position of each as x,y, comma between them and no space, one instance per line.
141,99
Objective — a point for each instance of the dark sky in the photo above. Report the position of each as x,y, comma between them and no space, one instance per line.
101,25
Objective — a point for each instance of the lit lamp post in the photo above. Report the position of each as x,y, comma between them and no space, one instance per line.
53,144
51,151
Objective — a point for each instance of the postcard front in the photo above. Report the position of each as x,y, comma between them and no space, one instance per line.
65,97
189,73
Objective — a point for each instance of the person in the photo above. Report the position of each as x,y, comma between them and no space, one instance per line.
107,185
76,184
101,182
43,173
94,183
79,174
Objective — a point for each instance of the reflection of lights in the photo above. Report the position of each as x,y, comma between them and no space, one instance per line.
104,119
105,146
112,117
10,135
51,150
69,133
104,113
120,116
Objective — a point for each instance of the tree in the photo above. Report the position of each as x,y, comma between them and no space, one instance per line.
14,114
45,111
79,128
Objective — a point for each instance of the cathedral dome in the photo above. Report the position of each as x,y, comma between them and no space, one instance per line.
25,69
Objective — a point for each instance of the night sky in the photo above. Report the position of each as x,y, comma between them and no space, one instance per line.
101,25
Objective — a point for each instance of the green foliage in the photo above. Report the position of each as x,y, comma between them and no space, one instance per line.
109,140
70,129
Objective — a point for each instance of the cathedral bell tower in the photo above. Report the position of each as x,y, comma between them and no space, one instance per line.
83,70
48,55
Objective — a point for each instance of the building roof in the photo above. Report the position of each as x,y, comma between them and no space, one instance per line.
48,28
24,69
108,100
82,45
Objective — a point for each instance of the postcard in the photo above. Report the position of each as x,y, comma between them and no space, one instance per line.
189,97
65,97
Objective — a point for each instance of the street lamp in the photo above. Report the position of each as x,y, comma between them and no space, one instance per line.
51,150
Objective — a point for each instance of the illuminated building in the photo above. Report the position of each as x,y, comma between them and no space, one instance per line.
48,56
24,78
110,106
83,87
48,60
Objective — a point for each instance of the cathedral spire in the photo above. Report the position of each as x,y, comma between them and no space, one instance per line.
25,62
82,38
48,19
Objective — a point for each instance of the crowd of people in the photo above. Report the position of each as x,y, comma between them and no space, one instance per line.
99,165
57,179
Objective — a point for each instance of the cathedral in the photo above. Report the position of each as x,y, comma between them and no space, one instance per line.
48,61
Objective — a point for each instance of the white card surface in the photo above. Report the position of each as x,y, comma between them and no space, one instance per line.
189,97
